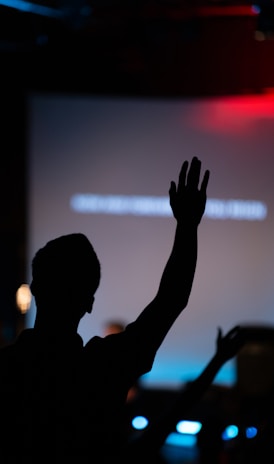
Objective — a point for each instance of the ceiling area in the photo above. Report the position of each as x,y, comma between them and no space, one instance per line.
165,46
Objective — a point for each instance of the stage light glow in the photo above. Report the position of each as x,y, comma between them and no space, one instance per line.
23,298
230,432
256,9
188,427
181,439
251,432
88,203
33,8
139,422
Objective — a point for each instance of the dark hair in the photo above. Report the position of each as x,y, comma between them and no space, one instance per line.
69,260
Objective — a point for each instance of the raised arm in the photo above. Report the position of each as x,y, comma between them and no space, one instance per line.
187,201
154,437
227,346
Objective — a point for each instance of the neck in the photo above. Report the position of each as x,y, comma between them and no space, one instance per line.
54,327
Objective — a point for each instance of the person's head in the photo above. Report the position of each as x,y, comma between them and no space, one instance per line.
66,272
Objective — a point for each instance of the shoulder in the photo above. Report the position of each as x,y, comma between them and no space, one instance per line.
113,345
93,342
102,343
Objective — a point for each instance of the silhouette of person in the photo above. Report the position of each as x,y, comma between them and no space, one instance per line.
113,326
65,400
149,444
135,392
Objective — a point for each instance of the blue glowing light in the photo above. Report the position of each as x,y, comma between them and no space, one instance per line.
256,9
188,427
251,432
29,7
230,432
139,422
181,439
138,205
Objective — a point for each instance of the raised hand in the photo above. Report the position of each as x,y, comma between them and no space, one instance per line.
187,200
228,345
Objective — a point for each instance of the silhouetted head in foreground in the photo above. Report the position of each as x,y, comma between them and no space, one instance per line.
65,276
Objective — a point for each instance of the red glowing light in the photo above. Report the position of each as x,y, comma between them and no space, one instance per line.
233,114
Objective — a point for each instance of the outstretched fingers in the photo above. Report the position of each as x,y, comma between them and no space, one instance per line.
233,332
190,178
205,182
194,172
182,176
174,190
187,201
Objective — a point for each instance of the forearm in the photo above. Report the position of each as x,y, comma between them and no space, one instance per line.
195,390
174,288
188,204
175,285
189,396
178,275
156,435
